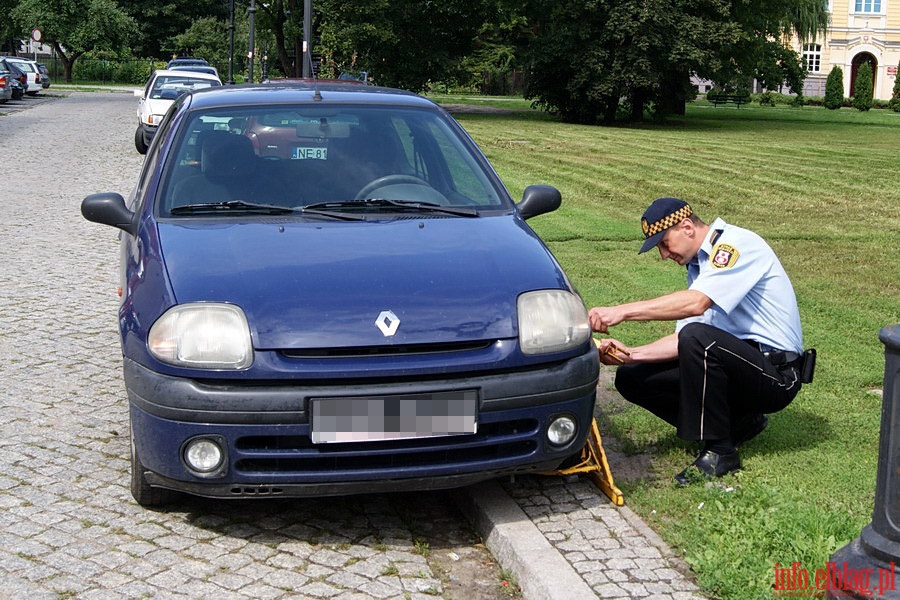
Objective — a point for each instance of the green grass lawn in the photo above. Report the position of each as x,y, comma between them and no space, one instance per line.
822,187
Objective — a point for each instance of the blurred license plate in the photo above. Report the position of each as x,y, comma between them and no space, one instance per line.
368,418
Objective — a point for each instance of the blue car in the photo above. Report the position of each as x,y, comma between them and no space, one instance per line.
326,290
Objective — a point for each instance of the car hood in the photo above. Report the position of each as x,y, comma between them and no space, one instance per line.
156,106
324,285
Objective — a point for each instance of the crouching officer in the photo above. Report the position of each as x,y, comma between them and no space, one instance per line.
737,351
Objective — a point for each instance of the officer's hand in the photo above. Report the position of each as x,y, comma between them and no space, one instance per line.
613,352
604,317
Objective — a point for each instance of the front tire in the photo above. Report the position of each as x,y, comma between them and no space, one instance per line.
139,143
143,493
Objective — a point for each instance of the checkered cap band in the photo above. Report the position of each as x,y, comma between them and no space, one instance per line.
668,221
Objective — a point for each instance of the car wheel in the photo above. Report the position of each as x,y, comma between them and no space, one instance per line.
143,493
139,142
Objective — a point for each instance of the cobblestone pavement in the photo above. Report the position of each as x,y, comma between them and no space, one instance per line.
68,525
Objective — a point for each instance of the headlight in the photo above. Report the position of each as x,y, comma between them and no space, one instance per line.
202,336
551,321
155,119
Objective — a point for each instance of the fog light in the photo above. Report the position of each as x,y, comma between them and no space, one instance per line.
203,455
562,430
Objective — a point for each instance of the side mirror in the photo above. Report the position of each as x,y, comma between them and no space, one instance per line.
108,209
139,93
539,199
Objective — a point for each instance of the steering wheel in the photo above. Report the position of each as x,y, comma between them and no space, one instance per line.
386,181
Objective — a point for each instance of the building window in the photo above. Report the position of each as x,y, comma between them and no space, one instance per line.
868,6
812,57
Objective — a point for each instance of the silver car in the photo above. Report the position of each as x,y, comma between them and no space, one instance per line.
31,70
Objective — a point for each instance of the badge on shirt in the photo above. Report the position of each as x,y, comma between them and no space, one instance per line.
724,256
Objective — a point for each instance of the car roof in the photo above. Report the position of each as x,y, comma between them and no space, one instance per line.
188,61
19,59
305,92
185,73
197,68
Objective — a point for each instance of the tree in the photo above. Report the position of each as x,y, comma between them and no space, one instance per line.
834,89
862,90
591,59
588,58
402,43
74,27
10,31
207,38
894,104
284,20
162,20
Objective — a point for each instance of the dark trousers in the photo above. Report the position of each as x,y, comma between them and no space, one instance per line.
717,381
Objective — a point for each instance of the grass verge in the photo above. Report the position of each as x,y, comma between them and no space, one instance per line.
821,187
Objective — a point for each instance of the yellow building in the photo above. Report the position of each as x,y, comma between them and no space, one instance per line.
861,31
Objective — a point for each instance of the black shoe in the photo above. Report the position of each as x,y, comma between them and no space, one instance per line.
749,428
709,464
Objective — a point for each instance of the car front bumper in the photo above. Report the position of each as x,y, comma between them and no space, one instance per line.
265,431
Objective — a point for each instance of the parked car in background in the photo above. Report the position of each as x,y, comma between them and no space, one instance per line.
162,89
6,87
366,311
196,68
18,80
45,75
31,70
187,61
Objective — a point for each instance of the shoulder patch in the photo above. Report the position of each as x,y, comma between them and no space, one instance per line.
724,256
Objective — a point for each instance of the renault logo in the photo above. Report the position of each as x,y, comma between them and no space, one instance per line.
387,322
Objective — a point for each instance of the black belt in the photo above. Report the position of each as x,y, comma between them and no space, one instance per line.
776,357
781,357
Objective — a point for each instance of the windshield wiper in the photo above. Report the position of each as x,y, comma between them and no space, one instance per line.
321,210
231,206
409,205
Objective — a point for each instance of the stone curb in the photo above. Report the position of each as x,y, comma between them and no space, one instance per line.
519,546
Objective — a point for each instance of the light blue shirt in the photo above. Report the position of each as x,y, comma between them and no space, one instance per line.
753,298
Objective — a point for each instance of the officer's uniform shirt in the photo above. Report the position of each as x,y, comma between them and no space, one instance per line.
753,298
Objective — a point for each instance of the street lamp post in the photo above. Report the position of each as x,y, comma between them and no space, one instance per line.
231,47
307,38
876,551
252,42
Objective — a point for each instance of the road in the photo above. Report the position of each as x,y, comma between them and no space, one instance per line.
68,524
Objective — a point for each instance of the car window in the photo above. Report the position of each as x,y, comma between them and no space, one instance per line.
297,156
170,87
25,66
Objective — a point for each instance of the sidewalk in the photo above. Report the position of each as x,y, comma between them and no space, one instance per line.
563,539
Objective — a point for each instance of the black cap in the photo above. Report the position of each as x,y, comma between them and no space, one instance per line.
659,216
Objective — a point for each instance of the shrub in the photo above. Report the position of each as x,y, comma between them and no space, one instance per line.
894,104
767,99
133,72
834,89
862,91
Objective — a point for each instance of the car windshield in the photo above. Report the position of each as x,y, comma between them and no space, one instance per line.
172,86
333,160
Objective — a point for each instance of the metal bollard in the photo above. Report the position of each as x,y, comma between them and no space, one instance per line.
876,552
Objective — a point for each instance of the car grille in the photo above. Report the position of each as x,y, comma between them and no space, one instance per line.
298,455
398,350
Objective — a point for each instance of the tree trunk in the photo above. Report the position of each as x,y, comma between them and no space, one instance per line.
67,62
638,102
